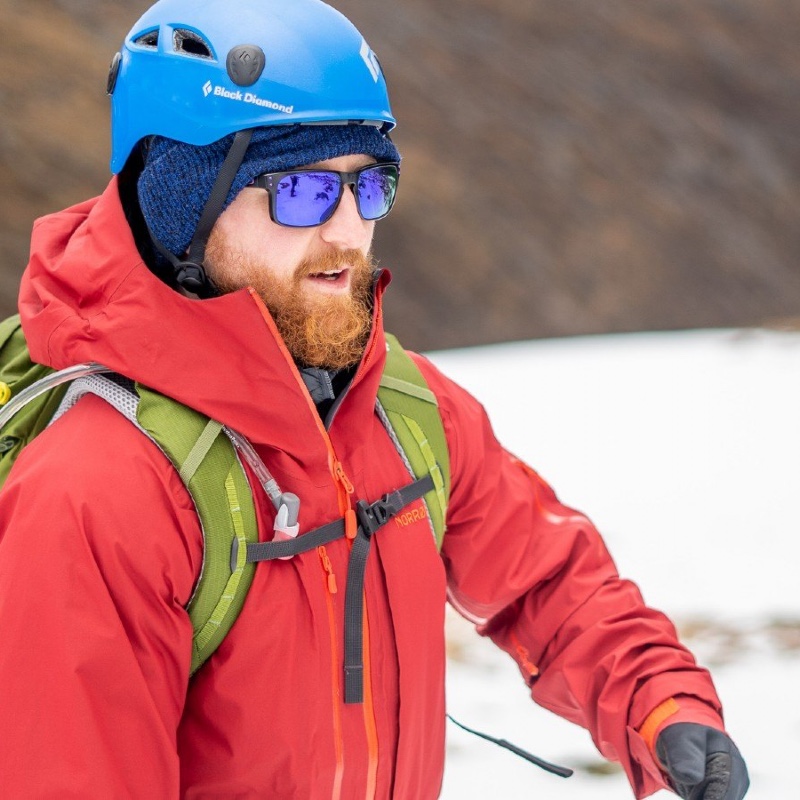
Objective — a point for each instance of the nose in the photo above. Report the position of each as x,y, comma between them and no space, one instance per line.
345,229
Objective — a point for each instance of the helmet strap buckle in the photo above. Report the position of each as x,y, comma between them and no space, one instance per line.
193,278
189,272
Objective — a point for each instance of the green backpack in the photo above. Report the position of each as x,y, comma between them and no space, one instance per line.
206,455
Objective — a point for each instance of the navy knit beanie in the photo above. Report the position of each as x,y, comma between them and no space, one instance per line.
177,178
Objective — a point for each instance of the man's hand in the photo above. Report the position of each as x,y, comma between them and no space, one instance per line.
702,763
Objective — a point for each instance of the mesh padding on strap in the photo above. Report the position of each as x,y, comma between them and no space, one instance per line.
115,395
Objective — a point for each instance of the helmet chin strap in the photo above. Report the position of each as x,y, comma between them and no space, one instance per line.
190,274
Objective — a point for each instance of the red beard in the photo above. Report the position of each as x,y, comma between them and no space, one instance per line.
319,330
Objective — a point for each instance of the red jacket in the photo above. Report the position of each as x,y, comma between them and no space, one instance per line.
101,548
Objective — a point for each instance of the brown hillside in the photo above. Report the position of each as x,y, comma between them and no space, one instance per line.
570,167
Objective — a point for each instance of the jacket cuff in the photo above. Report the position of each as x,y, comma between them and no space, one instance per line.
683,708
647,775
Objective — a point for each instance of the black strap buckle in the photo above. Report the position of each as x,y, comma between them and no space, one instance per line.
372,516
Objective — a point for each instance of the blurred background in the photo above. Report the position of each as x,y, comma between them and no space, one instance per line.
570,167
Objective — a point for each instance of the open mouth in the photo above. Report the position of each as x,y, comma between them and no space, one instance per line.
334,276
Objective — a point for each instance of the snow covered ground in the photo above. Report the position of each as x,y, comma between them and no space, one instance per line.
684,449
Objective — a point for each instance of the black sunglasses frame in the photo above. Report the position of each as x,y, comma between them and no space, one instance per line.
270,181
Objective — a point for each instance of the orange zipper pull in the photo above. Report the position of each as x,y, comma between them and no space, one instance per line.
341,476
328,567
350,524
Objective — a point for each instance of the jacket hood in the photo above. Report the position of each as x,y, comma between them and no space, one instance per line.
86,295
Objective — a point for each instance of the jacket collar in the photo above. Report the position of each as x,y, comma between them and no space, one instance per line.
86,295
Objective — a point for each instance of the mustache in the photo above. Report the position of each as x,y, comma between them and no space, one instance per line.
336,260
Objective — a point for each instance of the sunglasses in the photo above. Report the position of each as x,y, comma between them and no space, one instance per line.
304,198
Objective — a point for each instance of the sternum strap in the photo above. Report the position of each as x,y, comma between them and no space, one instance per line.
371,517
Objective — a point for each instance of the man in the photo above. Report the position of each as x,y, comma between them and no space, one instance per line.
228,265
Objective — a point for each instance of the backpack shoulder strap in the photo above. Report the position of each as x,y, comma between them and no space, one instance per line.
410,412
210,469
17,374
32,396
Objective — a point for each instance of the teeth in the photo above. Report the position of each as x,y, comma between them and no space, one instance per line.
329,275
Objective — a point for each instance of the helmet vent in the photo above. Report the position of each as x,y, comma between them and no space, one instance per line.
191,44
147,39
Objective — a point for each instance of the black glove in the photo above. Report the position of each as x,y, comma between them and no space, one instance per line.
702,763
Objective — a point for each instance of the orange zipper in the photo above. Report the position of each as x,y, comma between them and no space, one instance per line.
369,717
345,491
345,504
370,725
336,677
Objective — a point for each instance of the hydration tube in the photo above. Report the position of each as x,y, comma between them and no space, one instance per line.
268,483
287,504
45,384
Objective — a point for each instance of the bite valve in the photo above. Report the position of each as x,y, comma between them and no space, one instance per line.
286,526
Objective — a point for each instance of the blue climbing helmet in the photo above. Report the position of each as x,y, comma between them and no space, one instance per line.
198,71
216,75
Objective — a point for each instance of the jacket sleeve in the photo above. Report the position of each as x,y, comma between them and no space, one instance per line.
99,550
536,577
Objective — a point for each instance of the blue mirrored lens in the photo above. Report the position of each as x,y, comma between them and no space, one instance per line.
376,190
303,199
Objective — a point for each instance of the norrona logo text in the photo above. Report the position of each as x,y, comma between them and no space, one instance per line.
244,97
